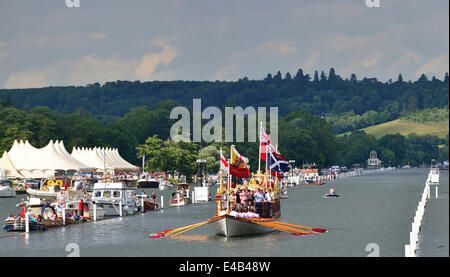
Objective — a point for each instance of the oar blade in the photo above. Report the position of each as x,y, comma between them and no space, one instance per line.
319,230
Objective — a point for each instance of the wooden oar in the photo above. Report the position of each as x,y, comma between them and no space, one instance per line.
319,230
175,232
185,230
286,229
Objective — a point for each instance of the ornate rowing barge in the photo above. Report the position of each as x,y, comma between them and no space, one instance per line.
230,226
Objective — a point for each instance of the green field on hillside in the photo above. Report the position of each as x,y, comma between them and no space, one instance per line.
405,127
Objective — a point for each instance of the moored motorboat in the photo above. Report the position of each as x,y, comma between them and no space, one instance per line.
115,198
148,183
7,191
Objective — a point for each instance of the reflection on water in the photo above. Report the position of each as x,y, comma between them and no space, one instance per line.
376,208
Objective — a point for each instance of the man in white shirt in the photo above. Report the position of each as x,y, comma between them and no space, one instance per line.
269,198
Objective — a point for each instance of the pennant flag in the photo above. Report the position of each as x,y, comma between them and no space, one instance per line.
278,165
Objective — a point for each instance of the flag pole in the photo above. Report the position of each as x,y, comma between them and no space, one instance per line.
276,174
267,158
228,186
259,155
221,171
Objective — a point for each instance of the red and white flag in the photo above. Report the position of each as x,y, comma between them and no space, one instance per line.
223,162
265,142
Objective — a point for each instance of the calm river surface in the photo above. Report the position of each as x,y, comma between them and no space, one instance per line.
374,208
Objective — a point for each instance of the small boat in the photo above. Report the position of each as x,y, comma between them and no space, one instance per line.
53,223
19,226
332,195
177,199
312,183
6,190
164,185
150,206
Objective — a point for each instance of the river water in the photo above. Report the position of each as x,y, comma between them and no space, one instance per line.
373,215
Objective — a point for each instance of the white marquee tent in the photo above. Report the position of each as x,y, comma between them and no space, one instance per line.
7,165
101,158
32,162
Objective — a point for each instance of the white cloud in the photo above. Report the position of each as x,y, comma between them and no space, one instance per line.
90,69
148,63
281,47
408,59
26,80
342,42
372,60
226,73
99,35
436,66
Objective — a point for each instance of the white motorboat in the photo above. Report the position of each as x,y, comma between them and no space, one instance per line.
6,190
148,183
164,185
115,198
434,175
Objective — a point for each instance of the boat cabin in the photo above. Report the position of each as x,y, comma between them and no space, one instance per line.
108,192
183,187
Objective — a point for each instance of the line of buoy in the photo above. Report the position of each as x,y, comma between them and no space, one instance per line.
411,248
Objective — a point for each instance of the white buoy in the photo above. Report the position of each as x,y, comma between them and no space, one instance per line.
407,250
120,207
64,216
27,222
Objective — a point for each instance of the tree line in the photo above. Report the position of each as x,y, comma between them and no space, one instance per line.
142,131
350,103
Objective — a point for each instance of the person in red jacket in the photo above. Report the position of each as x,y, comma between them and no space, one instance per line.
81,208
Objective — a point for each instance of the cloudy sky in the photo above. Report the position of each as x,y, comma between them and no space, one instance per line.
46,43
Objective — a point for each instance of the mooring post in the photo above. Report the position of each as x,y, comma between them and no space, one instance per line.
27,222
64,216
95,212
162,202
407,250
142,204
120,207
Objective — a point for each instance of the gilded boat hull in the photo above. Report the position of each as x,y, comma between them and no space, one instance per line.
230,226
